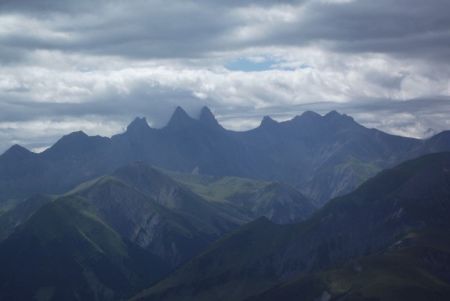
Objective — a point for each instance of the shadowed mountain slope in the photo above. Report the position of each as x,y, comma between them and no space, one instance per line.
113,235
278,202
323,156
382,215
65,252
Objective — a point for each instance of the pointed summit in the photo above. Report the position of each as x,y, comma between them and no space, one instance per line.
75,144
17,151
308,117
311,114
336,117
333,114
267,121
179,118
207,117
68,143
74,137
138,125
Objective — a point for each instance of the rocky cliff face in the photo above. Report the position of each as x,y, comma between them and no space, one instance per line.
382,213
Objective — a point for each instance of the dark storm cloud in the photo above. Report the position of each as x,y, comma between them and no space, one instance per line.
411,27
136,29
36,7
155,29
404,28
10,54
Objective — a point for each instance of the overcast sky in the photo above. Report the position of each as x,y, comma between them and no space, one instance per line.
94,65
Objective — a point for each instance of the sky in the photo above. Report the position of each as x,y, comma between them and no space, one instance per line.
95,65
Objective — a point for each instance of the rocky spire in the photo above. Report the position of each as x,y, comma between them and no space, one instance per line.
207,117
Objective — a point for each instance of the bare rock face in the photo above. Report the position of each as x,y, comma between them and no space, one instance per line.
396,220
153,225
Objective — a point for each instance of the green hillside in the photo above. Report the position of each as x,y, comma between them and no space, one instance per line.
411,198
278,202
415,269
65,252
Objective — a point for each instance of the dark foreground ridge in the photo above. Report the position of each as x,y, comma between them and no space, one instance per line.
115,235
388,240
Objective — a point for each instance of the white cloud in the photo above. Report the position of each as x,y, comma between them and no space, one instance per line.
64,68
39,134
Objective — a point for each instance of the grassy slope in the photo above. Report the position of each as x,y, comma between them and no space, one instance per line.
219,189
20,213
416,269
224,278
381,211
65,252
252,198
190,209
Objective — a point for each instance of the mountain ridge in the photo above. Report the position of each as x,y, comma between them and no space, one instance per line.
385,213
115,234
309,151
206,113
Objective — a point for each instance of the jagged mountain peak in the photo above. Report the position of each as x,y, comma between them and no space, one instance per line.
268,121
332,117
311,114
207,117
138,124
179,118
205,112
74,137
180,112
17,150
75,143
342,120
335,115
307,116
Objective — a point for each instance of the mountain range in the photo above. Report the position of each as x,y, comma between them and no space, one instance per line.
313,208
108,237
387,240
322,156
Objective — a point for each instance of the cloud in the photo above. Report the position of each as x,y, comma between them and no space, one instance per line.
174,29
418,29
69,65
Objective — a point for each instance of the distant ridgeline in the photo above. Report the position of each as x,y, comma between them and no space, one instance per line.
314,208
322,156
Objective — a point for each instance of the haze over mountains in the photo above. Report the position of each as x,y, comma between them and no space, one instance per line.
352,204
193,211
322,156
